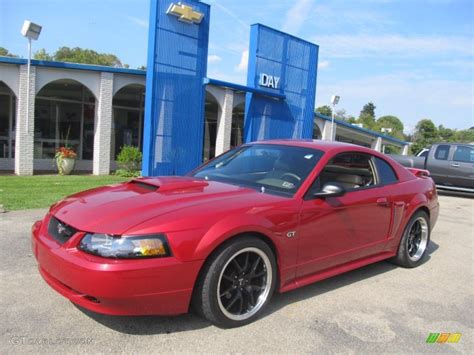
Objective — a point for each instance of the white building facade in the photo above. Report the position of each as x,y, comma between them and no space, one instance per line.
96,110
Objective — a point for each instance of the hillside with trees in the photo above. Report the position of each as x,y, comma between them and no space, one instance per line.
75,55
80,55
425,133
5,53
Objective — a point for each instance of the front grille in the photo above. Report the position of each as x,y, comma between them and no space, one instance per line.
60,231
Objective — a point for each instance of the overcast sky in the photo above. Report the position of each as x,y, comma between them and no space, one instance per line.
412,58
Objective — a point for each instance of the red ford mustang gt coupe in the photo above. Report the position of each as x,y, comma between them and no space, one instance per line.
266,216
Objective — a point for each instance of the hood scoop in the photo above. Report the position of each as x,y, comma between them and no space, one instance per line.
169,184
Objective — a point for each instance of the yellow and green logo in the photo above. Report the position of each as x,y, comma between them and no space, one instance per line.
443,338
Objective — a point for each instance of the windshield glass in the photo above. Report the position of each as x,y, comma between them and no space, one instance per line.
266,167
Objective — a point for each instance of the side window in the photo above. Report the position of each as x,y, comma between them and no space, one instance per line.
385,172
442,152
424,154
351,170
464,154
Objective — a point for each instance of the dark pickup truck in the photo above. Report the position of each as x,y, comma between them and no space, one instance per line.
451,165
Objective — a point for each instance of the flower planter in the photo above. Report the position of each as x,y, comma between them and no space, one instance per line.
65,165
65,159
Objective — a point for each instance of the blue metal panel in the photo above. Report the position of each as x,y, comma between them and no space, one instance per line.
294,62
238,87
174,104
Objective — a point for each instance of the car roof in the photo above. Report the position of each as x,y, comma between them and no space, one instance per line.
453,143
325,146
334,147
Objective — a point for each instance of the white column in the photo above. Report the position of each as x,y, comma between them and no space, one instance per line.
327,130
224,123
25,122
377,144
405,149
103,125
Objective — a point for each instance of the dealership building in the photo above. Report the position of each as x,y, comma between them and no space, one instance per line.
176,114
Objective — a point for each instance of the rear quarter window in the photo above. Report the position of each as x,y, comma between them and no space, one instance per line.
464,154
385,172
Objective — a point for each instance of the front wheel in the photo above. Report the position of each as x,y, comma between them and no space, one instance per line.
414,242
236,283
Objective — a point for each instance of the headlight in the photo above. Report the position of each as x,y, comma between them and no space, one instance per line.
122,247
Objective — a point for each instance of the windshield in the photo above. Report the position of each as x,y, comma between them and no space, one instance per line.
266,167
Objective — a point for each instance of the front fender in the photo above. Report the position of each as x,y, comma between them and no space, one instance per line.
273,227
229,227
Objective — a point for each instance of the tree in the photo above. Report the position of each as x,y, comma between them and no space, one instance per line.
367,116
324,110
342,115
81,55
5,53
392,122
367,121
446,134
368,110
425,134
42,55
426,129
464,136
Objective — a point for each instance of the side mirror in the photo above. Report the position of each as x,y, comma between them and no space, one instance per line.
330,190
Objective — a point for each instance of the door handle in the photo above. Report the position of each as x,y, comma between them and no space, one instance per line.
383,202
455,165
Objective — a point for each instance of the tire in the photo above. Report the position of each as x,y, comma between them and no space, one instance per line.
236,282
415,241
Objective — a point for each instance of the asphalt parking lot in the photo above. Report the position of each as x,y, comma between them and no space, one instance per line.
379,308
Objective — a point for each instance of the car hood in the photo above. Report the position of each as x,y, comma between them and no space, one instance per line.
115,209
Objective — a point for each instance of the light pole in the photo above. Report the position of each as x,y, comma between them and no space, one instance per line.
31,31
334,102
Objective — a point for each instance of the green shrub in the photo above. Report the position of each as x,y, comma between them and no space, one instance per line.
126,173
129,161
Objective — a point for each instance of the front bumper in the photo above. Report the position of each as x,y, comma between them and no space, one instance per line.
161,286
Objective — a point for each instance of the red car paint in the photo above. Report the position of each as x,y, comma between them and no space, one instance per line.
332,236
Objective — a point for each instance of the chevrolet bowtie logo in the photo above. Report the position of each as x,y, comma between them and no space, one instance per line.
185,13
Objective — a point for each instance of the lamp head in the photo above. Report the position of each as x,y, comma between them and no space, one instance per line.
31,30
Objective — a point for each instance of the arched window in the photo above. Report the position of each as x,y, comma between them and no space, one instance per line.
64,116
127,127
210,127
316,131
7,121
237,133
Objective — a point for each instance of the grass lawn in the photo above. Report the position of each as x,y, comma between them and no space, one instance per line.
24,192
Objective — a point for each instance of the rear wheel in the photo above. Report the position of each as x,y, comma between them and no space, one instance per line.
415,241
236,283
